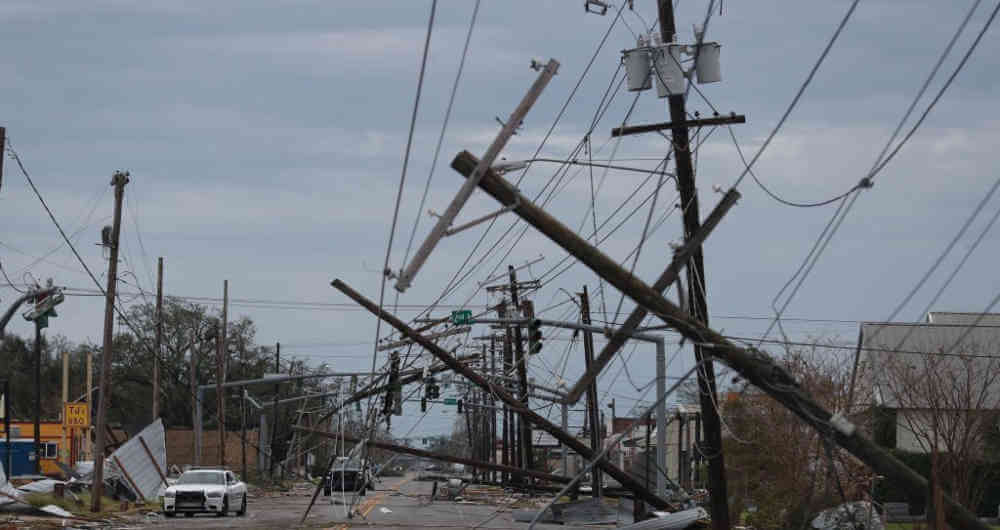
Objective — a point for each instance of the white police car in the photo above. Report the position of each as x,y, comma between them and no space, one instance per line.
215,491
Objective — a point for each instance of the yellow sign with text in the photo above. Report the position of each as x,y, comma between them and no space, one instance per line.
76,415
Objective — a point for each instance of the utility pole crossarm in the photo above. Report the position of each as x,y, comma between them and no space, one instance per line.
448,217
698,122
754,365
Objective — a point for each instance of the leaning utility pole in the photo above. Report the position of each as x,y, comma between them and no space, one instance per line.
527,459
159,338
118,180
592,410
719,500
220,374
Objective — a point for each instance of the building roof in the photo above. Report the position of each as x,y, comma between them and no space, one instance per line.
895,356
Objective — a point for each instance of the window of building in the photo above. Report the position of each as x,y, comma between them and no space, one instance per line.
51,450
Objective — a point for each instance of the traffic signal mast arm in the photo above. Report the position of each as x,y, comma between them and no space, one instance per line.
42,293
754,365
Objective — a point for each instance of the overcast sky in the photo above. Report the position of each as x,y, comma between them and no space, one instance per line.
265,144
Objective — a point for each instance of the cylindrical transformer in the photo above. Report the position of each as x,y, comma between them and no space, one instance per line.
637,68
708,67
667,69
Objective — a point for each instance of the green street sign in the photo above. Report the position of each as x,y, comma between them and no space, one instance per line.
461,317
450,401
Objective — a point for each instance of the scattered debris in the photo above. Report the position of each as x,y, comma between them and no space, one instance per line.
860,515
587,511
693,518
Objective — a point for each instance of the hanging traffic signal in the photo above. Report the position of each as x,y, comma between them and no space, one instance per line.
535,336
423,404
459,403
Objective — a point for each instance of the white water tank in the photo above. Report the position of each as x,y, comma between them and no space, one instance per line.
637,68
708,67
667,70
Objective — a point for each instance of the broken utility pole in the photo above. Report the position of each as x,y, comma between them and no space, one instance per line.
752,364
719,499
626,480
118,180
448,217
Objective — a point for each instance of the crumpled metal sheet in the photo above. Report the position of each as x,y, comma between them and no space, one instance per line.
7,491
135,460
851,515
673,521
47,485
52,509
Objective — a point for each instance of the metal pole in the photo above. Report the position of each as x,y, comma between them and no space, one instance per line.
118,180
527,456
63,446
448,217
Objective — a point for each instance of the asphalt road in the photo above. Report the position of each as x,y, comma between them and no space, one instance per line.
398,502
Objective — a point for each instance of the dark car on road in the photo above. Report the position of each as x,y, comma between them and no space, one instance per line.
346,479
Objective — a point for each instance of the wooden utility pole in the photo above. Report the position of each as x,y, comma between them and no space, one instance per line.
90,404
754,365
243,412
118,180
63,447
719,499
592,407
193,392
39,451
509,420
626,480
274,411
159,338
527,458
220,372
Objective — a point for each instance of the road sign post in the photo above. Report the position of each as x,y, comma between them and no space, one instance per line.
461,318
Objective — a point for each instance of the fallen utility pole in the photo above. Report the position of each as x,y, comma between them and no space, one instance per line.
448,217
118,180
501,393
444,457
752,364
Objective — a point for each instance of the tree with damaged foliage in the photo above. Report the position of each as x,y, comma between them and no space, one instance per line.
782,473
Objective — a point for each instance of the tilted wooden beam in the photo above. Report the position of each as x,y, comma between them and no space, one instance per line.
634,320
501,393
752,364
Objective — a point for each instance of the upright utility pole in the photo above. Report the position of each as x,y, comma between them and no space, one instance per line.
243,413
220,373
193,392
593,412
508,419
527,458
90,405
64,451
118,180
696,285
39,452
159,339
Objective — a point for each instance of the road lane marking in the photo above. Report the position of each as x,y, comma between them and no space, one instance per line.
369,505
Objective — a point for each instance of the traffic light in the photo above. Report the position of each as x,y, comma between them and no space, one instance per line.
535,336
431,390
423,405
459,403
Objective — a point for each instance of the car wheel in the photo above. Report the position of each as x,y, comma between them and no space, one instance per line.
189,514
169,514
243,506
225,506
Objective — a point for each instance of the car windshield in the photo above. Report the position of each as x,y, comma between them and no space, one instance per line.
201,477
